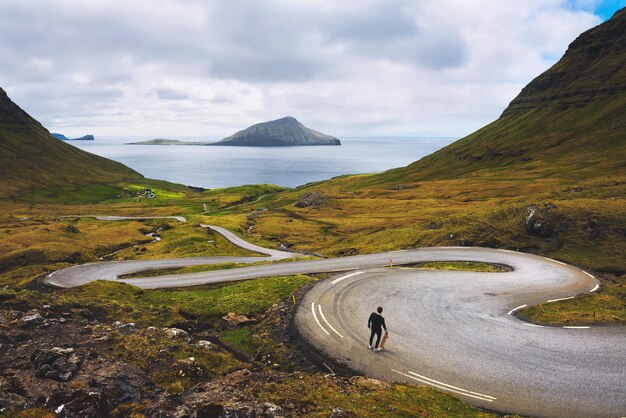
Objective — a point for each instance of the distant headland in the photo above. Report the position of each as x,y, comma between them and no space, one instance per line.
282,132
64,138
161,141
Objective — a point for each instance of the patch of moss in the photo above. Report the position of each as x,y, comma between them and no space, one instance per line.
461,266
113,301
30,413
364,398
160,355
68,195
605,307
241,338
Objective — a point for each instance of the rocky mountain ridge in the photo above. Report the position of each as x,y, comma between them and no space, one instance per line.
591,69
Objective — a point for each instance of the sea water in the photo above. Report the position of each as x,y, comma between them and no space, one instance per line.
213,166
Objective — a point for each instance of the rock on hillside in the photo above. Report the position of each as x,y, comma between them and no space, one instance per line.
282,132
31,158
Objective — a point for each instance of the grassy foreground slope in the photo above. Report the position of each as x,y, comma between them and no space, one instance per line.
32,158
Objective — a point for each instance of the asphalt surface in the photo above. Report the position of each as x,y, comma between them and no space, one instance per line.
455,331
126,218
112,270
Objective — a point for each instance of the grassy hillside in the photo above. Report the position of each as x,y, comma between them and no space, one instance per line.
547,177
570,122
558,152
31,158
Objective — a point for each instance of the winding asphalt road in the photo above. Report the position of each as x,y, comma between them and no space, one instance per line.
455,331
125,218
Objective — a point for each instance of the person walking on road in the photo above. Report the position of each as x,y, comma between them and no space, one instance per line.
376,323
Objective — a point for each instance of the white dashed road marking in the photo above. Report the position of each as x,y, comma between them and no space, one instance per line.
556,300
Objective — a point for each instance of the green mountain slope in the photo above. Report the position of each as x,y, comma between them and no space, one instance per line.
31,158
547,177
568,122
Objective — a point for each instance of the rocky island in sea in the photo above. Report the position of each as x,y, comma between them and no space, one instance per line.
162,141
282,132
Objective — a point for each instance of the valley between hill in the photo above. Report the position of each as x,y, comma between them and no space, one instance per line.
548,177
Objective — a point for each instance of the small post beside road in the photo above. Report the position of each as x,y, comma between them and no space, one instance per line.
294,298
390,264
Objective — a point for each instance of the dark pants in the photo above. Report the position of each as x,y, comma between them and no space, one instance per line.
378,333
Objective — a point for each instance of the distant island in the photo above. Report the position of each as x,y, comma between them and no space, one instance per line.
168,142
64,138
282,132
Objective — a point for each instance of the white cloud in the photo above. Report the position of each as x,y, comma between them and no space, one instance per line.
189,67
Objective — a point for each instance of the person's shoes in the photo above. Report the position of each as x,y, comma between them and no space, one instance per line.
369,346
377,349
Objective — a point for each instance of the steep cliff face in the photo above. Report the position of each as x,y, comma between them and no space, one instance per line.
568,122
591,69
31,158
282,132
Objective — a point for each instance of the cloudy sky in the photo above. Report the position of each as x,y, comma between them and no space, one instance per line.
349,68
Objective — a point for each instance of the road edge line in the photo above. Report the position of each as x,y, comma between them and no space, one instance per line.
319,307
317,320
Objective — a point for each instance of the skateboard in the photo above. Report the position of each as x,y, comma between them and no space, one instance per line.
384,340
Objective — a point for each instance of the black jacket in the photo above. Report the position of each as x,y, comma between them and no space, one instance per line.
376,322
